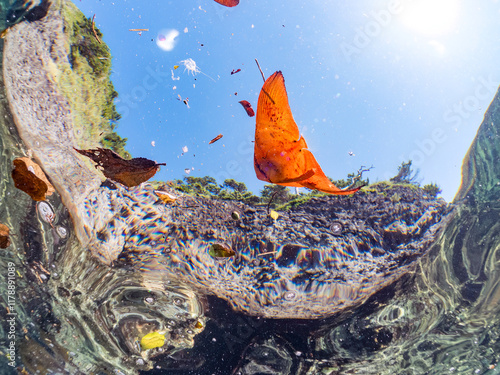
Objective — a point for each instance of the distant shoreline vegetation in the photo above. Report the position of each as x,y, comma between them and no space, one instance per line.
281,197
86,84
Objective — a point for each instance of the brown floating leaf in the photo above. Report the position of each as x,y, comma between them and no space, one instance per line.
215,139
35,168
127,172
248,108
228,3
4,236
27,181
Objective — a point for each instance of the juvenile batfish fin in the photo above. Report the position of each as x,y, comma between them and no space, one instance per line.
280,153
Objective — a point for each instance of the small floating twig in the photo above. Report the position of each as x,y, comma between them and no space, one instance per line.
93,29
268,253
263,77
138,29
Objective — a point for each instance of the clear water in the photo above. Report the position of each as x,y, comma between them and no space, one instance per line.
388,281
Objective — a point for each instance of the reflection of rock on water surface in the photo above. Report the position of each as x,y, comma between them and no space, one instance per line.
314,261
294,267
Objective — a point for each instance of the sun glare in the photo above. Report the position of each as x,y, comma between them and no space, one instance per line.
431,17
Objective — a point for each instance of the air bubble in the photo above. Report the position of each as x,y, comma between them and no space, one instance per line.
336,228
61,231
290,296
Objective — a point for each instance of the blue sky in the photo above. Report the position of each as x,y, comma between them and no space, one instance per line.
386,80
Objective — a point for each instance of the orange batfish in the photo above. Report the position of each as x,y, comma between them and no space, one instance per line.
280,154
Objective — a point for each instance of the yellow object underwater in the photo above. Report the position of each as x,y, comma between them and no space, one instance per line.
152,340
274,215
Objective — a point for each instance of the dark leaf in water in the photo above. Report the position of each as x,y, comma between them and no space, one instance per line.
228,3
220,251
215,139
281,155
27,181
130,173
4,236
248,108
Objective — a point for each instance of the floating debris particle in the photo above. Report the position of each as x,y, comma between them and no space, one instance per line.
152,340
187,170
153,143
139,31
166,197
248,107
185,101
235,215
185,149
191,67
235,71
266,253
220,251
4,236
215,139
228,3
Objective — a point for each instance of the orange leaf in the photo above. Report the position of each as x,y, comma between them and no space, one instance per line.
228,3
27,181
130,173
248,107
35,168
280,153
4,236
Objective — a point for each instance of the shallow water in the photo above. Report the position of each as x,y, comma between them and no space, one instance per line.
368,285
